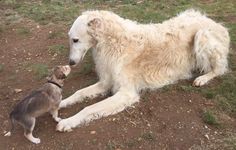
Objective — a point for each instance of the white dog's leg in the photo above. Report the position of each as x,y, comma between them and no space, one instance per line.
211,54
111,105
88,92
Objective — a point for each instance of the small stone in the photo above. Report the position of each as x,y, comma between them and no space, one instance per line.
14,99
206,136
50,32
139,2
190,101
18,90
55,55
7,134
114,119
38,26
92,132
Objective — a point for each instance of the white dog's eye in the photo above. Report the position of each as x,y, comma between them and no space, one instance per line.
75,40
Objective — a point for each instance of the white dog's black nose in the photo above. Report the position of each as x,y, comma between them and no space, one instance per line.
71,62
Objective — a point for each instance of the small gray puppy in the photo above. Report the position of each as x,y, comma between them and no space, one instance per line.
45,99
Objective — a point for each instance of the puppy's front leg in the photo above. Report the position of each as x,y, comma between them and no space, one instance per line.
54,114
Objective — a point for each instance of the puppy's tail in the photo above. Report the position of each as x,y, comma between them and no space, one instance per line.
13,122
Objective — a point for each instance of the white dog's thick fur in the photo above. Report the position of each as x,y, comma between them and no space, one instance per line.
130,57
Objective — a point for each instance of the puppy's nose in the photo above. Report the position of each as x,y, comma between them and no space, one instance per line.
68,68
71,62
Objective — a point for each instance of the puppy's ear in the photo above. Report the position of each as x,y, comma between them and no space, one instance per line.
48,78
50,74
95,23
63,76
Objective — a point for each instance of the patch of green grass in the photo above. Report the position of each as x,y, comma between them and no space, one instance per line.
10,2
1,67
112,145
227,91
230,141
148,136
23,31
209,118
47,11
86,68
131,143
208,93
88,64
57,49
94,141
1,29
187,88
232,31
12,77
39,70
224,104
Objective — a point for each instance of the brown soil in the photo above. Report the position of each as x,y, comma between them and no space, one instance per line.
161,120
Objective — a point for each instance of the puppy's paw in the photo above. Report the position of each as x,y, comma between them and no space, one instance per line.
35,140
57,119
64,126
200,81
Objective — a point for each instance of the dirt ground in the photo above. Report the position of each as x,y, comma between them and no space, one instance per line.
163,119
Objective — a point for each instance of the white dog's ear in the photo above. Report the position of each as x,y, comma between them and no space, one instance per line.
95,28
95,23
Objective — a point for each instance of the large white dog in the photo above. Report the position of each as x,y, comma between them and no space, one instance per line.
130,57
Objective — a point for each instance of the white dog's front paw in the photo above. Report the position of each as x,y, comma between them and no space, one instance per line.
62,104
200,81
64,126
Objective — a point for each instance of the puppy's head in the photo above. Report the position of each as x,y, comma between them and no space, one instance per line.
61,72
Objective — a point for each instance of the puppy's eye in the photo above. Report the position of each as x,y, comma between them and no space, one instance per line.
75,40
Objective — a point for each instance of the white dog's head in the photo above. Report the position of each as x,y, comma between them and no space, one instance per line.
80,39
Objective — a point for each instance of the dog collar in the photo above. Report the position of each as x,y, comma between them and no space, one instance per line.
55,84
